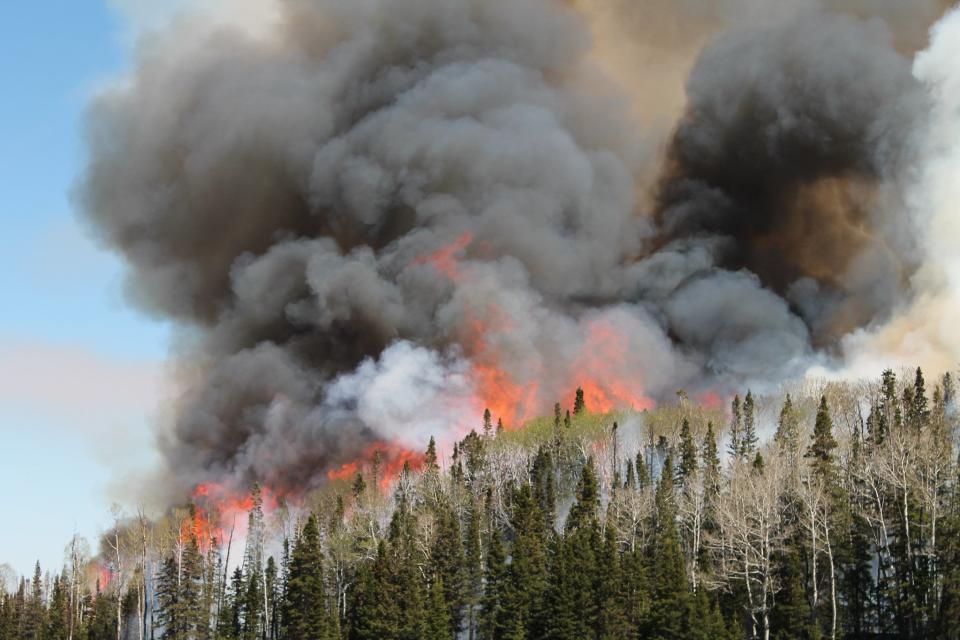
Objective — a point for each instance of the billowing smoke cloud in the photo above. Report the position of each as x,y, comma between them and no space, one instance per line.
373,219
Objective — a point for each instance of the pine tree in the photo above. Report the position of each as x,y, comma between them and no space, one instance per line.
438,623
527,576
823,443
736,429
430,457
787,435
541,478
643,472
305,612
670,610
585,508
359,488
493,626
688,453
34,619
473,572
447,564
579,406
487,424
613,620
711,462
918,410
58,612
748,437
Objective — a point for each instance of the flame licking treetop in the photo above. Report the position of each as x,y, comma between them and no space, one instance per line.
374,219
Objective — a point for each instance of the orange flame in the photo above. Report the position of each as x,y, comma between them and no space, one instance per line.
607,379
218,509
393,457
445,260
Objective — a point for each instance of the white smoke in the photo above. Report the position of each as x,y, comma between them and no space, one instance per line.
926,332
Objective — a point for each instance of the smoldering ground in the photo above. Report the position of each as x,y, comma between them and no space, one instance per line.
370,219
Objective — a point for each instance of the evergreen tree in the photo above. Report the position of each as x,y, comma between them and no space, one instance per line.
711,462
430,458
748,437
305,612
787,435
823,443
584,510
688,453
670,609
578,403
487,424
473,572
527,576
643,472
735,447
493,625
447,564
438,623
613,621
34,619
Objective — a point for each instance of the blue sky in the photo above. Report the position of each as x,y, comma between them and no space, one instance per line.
79,370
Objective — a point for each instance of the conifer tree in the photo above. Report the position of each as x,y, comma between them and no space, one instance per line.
735,447
670,608
612,620
527,577
587,504
711,461
430,457
823,443
473,571
305,612
493,626
643,472
748,437
579,406
487,424
359,487
688,453
787,435
918,410
447,564
438,623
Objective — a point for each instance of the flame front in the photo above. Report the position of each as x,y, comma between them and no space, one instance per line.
384,459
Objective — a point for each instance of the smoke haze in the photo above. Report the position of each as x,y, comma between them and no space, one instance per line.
374,219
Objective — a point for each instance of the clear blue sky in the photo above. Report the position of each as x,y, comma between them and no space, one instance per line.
78,368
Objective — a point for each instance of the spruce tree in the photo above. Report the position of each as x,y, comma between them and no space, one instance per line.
735,448
787,435
430,457
820,451
670,610
748,438
304,607
711,462
492,625
579,406
688,453
447,562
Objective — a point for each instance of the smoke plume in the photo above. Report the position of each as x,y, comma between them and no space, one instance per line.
374,219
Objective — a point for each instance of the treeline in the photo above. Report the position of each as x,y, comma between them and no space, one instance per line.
668,524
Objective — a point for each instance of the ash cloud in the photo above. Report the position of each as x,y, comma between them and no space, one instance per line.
279,194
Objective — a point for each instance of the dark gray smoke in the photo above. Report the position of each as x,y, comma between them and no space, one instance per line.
357,216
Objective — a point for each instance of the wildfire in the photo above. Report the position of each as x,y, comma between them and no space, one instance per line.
385,460
218,509
603,372
445,260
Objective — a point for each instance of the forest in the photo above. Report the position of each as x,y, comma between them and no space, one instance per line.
831,510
